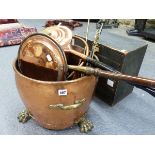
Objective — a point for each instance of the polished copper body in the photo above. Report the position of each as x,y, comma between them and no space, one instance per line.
40,96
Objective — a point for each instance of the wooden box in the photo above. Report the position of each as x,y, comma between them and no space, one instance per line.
123,54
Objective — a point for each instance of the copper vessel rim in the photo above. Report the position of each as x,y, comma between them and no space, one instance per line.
45,82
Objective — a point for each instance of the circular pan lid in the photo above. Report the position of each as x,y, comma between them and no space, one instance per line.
41,50
61,34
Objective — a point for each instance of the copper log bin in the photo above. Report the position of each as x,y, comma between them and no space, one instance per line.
38,96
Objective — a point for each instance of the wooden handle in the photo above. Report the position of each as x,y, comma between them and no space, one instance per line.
115,76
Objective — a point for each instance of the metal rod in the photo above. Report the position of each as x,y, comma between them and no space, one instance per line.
87,30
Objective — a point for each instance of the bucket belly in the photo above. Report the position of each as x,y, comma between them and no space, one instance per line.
49,107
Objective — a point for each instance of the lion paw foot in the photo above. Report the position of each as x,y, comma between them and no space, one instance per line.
24,116
85,125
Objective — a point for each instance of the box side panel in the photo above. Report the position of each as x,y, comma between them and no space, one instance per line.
131,66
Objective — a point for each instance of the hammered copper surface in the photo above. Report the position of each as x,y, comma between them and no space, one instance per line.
38,95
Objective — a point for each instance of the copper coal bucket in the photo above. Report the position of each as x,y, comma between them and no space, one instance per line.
56,104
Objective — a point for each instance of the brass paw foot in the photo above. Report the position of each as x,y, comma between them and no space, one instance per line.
24,116
84,124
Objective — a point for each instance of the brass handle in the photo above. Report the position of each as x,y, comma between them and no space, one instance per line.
76,104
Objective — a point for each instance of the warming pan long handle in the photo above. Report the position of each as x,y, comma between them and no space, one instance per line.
145,84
